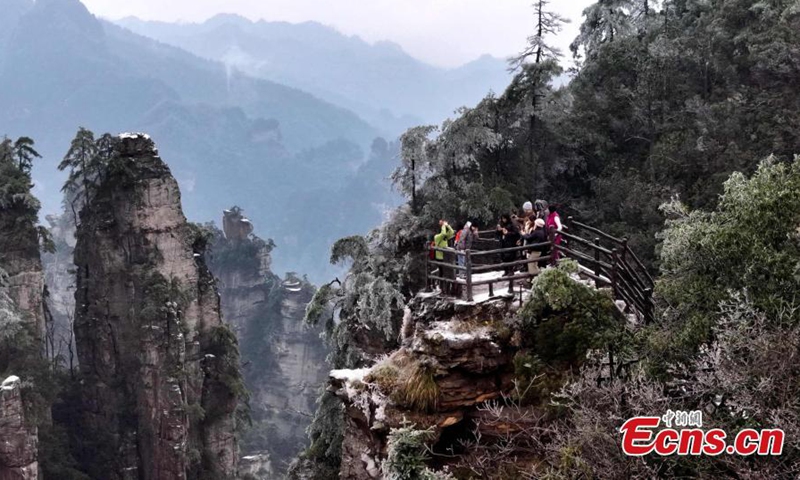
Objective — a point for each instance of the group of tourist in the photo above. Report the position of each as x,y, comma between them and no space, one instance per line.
528,227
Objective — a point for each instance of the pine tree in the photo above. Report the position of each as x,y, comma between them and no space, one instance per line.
24,153
84,159
547,23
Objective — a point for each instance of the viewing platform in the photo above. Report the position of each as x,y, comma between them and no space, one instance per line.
603,259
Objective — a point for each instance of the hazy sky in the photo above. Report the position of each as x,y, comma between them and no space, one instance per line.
442,32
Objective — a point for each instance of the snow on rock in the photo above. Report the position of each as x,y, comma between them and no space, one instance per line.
432,294
10,383
485,297
468,347
589,270
446,330
349,375
482,277
127,135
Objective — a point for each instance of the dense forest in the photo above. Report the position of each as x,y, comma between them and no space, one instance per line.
678,130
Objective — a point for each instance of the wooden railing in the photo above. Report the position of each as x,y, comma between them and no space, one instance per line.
607,260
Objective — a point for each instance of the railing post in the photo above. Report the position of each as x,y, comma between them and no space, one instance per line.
428,271
648,303
597,256
468,264
624,248
614,259
569,224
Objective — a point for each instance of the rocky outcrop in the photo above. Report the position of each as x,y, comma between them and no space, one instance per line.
159,370
235,225
458,357
284,360
19,257
18,440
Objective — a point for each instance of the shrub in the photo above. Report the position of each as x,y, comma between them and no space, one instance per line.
563,319
417,388
407,455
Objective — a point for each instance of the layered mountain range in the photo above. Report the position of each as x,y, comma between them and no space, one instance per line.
380,81
234,134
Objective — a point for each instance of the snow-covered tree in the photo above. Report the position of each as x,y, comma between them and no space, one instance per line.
548,23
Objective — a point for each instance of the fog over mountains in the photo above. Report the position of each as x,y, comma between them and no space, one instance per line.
380,82
279,119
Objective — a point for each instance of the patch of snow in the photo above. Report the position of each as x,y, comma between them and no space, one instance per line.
380,411
589,270
10,383
432,294
445,329
126,135
482,277
484,297
349,375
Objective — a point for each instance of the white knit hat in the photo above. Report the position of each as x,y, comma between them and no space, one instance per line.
527,206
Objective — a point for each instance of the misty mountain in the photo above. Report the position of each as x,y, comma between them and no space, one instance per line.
380,82
278,152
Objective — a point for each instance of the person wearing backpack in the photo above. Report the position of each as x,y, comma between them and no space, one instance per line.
534,236
465,238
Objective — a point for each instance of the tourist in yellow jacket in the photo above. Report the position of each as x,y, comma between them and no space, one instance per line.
440,240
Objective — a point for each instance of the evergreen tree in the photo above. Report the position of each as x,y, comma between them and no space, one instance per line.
547,23
605,21
24,153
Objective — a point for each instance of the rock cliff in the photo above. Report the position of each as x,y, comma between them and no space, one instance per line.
18,440
456,359
19,257
284,361
22,315
159,370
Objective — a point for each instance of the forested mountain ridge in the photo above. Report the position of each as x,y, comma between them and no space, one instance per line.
380,82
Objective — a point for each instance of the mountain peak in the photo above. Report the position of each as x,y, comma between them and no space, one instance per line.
228,18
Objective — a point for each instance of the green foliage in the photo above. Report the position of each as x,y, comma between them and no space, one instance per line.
224,346
55,457
89,162
749,243
563,318
15,184
407,454
323,456
24,153
354,249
